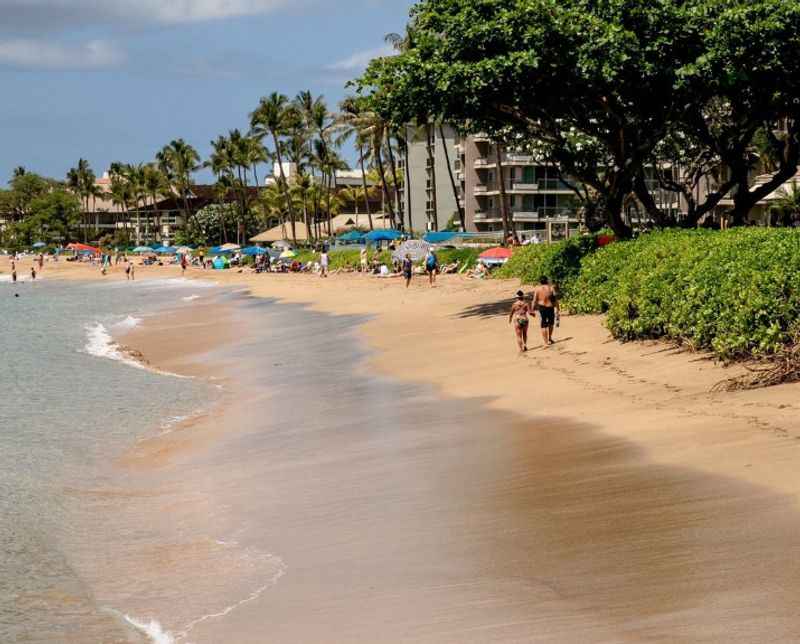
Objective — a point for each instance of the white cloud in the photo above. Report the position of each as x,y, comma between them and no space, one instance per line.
359,60
55,14
41,54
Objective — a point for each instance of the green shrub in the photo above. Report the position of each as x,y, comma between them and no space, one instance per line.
559,262
735,292
465,257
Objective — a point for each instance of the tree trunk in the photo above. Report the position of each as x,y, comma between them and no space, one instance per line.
431,142
309,232
408,183
461,216
387,198
329,182
284,184
364,183
508,225
393,168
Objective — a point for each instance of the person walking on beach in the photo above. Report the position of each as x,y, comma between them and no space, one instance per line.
546,301
129,271
364,260
14,271
431,266
33,272
408,269
520,310
184,264
41,262
323,262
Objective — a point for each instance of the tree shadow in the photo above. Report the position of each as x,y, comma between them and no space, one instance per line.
487,310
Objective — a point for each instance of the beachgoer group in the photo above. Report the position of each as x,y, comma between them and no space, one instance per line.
544,299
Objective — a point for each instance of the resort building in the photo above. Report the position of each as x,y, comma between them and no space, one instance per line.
430,191
539,203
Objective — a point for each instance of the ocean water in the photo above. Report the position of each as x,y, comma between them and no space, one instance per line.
70,402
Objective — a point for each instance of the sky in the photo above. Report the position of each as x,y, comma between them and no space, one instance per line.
115,80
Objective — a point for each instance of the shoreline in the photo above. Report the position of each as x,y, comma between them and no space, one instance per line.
454,338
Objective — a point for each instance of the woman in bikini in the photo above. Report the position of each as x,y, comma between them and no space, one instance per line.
519,318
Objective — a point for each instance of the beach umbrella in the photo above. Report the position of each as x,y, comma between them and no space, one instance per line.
254,250
83,248
416,248
165,250
184,250
142,249
230,247
39,245
288,254
352,236
385,234
281,244
495,256
218,250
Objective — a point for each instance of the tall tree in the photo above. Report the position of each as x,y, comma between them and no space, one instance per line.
179,161
461,217
81,180
276,117
554,75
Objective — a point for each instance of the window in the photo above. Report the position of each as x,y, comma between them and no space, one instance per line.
528,174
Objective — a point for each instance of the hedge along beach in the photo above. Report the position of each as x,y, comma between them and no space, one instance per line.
594,491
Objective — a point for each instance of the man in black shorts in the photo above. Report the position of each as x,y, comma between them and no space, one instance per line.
546,301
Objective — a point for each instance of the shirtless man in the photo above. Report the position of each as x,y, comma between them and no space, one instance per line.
519,317
544,299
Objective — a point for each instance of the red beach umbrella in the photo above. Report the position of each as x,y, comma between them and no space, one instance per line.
83,247
496,253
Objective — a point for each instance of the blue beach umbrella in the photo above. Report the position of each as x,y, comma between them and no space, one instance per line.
352,236
254,250
142,249
218,250
39,245
383,235
166,250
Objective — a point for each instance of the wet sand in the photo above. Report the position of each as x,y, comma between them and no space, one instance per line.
594,492
390,513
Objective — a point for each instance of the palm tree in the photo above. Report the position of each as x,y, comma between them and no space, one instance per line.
154,183
179,161
276,117
456,196
787,205
121,193
508,226
369,129
81,180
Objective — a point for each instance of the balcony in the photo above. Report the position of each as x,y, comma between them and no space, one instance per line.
538,215
512,158
483,162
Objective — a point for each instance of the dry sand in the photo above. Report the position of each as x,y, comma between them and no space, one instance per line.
691,496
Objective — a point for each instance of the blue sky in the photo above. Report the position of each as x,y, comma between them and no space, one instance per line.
114,80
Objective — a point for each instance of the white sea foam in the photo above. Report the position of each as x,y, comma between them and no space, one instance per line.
179,282
191,298
281,571
100,344
152,629
128,323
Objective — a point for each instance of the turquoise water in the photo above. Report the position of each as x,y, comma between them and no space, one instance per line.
68,404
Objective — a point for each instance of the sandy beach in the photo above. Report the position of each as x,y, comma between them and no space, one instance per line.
601,485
